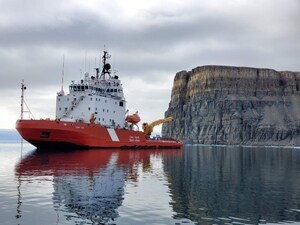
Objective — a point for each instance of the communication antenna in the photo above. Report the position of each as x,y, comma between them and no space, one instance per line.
85,61
106,66
62,74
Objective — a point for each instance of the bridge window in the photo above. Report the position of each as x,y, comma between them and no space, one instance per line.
70,88
121,104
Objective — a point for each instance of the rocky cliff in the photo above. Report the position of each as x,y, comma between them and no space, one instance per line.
235,106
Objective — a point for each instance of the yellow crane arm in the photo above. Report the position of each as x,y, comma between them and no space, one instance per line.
148,128
157,122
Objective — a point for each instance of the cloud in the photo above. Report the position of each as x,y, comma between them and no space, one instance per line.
149,42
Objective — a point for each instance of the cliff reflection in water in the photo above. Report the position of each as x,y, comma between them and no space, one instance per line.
87,184
223,184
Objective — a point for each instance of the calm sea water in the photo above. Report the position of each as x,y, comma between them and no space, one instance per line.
195,185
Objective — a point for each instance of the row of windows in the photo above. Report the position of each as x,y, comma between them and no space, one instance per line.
107,110
79,88
120,104
89,108
100,100
110,120
83,88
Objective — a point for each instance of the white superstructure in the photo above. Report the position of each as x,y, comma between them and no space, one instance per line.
99,98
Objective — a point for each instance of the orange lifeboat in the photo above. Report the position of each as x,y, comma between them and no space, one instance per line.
134,118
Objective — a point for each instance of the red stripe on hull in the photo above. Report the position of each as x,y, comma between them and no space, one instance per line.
51,133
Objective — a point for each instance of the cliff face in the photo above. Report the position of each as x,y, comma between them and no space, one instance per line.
235,105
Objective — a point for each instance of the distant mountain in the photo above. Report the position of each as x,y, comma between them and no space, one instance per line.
7,135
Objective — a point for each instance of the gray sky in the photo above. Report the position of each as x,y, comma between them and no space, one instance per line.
149,42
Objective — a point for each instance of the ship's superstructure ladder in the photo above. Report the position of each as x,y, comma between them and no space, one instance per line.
74,103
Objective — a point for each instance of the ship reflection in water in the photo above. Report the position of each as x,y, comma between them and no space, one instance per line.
203,185
88,184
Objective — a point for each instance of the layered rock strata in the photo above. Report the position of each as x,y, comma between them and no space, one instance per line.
235,106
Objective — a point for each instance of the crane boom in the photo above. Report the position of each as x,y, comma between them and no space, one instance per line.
157,122
148,128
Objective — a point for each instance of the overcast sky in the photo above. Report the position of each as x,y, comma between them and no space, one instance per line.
149,40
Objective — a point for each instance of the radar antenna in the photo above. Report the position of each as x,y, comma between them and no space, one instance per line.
105,66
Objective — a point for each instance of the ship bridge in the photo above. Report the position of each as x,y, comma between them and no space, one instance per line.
98,97
109,87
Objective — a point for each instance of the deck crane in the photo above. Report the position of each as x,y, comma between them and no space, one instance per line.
148,128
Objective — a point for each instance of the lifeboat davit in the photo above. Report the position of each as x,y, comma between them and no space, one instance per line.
134,118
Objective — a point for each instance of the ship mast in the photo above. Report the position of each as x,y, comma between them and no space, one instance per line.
106,66
23,88
62,75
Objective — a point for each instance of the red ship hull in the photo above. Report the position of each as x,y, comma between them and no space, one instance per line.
61,134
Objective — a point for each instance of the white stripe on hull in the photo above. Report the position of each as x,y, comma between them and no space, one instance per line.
112,134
